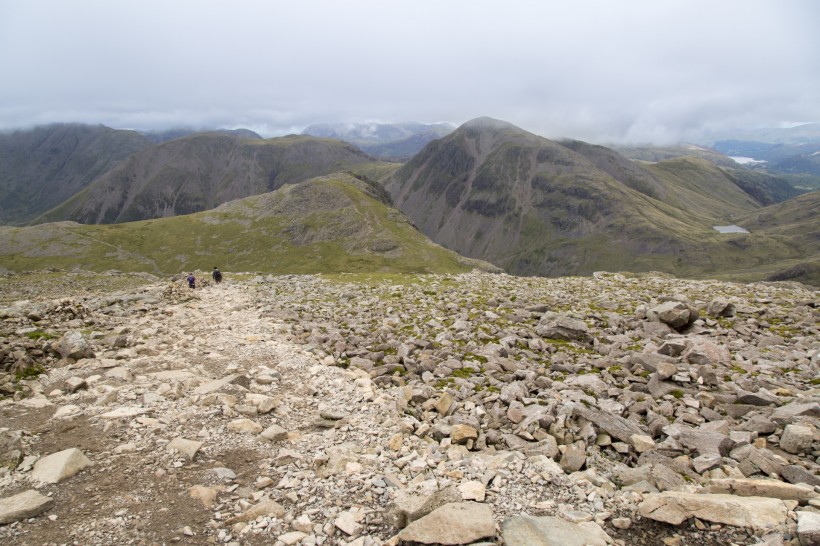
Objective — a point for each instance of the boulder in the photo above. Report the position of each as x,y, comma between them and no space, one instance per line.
796,439
73,345
763,488
60,466
23,505
563,327
675,507
675,314
188,448
808,528
525,530
409,507
454,523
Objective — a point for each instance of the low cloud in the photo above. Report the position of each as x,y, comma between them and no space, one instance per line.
637,71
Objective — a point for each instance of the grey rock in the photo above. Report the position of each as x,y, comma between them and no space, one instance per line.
763,488
409,507
788,413
797,439
562,327
702,442
525,530
614,425
74,383
73,345
675,507
808,528
574,457
798,474
60,466
188,448
720,307
23,505
675,314
454,523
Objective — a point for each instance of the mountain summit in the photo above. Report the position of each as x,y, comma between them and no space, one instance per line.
533,206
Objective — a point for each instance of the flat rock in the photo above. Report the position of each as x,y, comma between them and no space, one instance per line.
763,488
189,448
808,528
245,426
23,505
60,466
409,506
614,425
265,508
274,433
213,386
205,495
675,507
798,474
788,413
125,411
527,530
454,523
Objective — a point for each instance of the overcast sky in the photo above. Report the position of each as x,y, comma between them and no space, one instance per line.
602,71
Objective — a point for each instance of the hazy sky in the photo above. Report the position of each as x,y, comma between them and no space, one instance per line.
603,71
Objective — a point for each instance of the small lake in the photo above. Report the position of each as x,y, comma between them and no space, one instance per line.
747,160
730,229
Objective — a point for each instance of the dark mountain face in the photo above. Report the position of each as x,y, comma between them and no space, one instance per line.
533,206
200,172
42,167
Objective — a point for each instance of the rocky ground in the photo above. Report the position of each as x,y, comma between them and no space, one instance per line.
382,410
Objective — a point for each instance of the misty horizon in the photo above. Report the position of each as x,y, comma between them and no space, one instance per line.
638,71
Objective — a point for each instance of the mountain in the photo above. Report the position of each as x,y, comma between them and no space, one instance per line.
159,137
42,167
533,206
335,223
200,172
387,140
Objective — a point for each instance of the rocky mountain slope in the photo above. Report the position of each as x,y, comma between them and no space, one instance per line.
42,167
402,410
200,172
339,222
537,207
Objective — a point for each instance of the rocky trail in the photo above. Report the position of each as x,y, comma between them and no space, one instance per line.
461,409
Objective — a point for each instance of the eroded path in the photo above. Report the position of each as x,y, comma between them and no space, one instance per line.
209,370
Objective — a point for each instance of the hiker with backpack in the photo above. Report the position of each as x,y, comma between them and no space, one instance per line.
217,275
191,280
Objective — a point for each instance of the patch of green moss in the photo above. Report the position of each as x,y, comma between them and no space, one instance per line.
39,334
30,372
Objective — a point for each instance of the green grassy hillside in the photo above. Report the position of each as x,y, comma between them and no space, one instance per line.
336,223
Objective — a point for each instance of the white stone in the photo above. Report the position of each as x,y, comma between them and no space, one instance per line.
23,505
60,466
189,448
245,426
796,439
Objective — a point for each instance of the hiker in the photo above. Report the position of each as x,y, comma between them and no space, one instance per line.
191,281
217,275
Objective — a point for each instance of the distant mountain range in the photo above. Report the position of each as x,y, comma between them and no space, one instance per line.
387,140
487,190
